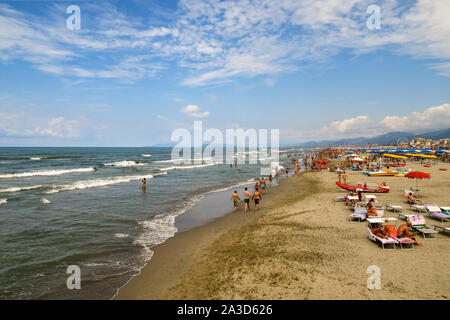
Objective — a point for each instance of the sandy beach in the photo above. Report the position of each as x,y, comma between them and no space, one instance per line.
301,245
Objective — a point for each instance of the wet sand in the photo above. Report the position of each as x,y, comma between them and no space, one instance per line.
301,245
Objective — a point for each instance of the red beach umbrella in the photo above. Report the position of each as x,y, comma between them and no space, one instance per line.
418,175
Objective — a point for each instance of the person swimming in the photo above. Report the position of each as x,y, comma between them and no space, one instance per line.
235,198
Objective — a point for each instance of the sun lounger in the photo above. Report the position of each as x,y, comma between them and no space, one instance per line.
445,210
418,223
435,212
418,207
394,208
359,214
383,242
441,227
405,242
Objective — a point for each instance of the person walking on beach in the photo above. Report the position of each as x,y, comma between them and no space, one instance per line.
256,197
262,184
344,177
287,172
246,200
270,179
256,186
235,198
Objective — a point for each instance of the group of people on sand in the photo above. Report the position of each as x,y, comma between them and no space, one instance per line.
389,231
256,197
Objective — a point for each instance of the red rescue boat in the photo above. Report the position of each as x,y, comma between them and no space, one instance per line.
353,188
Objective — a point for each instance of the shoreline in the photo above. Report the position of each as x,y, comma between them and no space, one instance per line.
188,237
301,245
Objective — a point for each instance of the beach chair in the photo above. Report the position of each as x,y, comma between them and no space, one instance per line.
383,242
445,210
441,228
418,223
394,208
380,211
405,243
435,211
359,214
418,207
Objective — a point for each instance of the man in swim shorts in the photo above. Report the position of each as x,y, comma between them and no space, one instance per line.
262,184
256,197
246,200
144,184
235,198
287,172
270,179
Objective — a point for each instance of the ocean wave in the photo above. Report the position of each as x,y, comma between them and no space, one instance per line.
121,235
35,158
162,227
240,184
95,183
124,164
45,201
45,173
3,201
146,155
188,167
17,189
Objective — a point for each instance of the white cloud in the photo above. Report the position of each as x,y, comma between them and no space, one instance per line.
161,117
346,125
433,117
194,111
218,40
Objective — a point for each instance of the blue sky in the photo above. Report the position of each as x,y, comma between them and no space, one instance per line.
137,70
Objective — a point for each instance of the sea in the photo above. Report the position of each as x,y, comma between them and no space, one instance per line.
58,213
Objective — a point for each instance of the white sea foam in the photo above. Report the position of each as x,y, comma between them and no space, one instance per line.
168,161
188,167
233,186
95,183
146,155
35,158
161,227
121,235
124,164
3,201
45,173
45,201
16,189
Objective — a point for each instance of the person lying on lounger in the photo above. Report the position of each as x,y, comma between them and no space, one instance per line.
412,199
378,231
403,232
371,210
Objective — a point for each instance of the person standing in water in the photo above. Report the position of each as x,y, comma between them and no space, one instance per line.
235,198
246,200
256,197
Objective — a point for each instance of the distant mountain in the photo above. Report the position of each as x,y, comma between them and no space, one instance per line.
385,139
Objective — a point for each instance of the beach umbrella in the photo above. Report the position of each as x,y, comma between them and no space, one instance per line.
417,175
